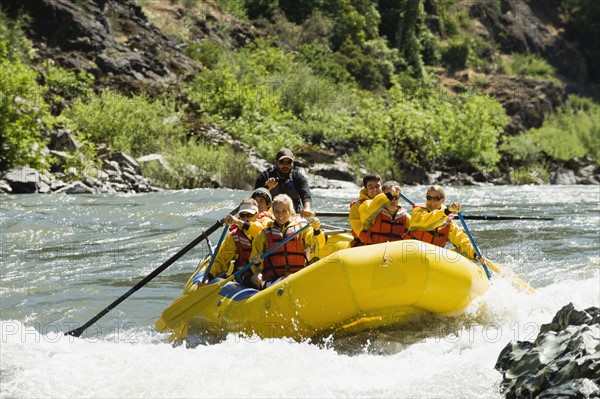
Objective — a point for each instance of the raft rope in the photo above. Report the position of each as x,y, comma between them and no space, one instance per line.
385,261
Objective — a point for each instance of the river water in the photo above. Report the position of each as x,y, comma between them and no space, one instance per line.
65,258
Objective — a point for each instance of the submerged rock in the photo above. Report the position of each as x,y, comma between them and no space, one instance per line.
563,361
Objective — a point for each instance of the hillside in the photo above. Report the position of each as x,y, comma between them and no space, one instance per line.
125,95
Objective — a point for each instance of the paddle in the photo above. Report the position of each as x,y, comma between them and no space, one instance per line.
186,306
477,251
467,217
78,331
212,260
517,281
462,219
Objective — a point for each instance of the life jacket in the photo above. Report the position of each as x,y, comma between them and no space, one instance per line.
387,227
288,258
244,248
361,239
264,215
438,236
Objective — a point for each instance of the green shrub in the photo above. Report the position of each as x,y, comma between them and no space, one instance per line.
435,125
14,45
22,111
379,158
135,125
533,174
322,61
528,65
571,132
248,95
522,148
206,52
456,54
234,7
62,87
22,108
195,164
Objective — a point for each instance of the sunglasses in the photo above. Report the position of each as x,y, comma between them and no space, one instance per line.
245,215
428,198
395,197
286,162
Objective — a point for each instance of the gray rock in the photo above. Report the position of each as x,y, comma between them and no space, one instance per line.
77,188
563,176
23,180
5,187
156,162
109,165
562,362
64,140
57,185
339,170
126,161
43,188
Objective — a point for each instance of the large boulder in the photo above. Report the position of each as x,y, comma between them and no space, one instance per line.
563,361
24,180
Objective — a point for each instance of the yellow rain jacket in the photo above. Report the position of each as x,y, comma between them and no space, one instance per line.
372,208
355,215
424,220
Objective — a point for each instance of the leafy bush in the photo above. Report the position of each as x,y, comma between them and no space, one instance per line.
250,95
378,158
135,125
437,126
456,54
195,164
323,61
533,174
572,132
206,52
528,65
62,87
522,148
22,109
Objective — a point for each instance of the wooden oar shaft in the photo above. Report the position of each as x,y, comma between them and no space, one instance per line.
78,331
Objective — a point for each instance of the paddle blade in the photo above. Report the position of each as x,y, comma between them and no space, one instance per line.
517,282
184,308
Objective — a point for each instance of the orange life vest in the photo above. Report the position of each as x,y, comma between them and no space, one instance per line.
438,236
363,237
387,227
244,248
288,258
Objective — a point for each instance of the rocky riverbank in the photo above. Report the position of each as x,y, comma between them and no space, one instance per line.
563,361
116,42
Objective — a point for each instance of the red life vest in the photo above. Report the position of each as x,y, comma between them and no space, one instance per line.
438,236
243,245
264,215
388,227
288,258
363,237
244,248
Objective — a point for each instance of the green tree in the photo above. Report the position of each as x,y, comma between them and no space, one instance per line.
22,108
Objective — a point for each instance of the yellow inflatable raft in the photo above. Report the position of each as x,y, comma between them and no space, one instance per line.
347,290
